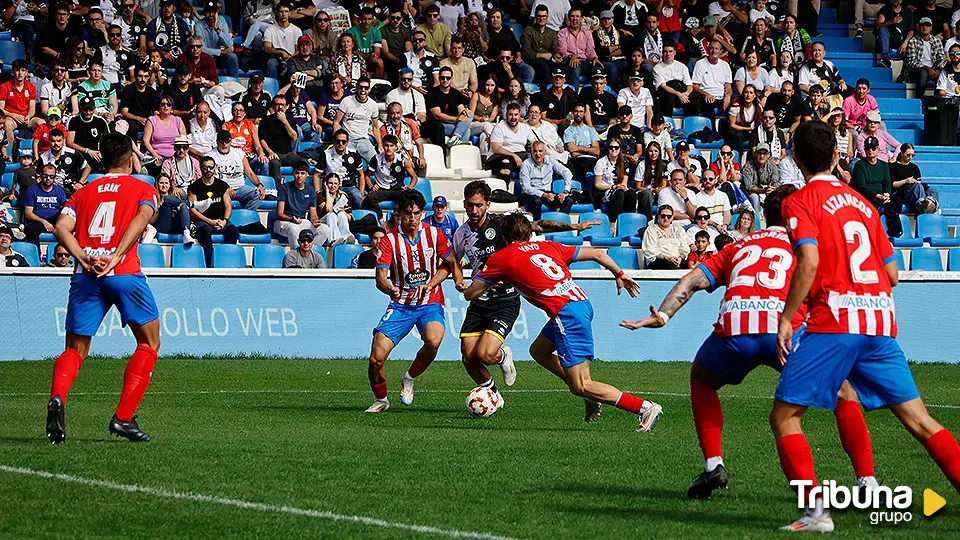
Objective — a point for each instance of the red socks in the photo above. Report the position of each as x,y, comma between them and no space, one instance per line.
854,436
416,368
943,448
379,390
629,402
796,459
65,371
136,379
708,418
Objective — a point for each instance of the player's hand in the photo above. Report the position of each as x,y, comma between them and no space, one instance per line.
784,340
461,286
87,262
422,291
584,225
104,265
395,293
651,321
627,282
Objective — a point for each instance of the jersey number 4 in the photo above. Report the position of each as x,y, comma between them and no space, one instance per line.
101,226
779,263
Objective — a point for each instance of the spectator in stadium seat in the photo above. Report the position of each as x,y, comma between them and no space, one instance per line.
203,68
816,107
333,207
232,168
245,136
386,179
692,166
448,110
540,46
791,174
407,134
939,17
184,93
441,218
412,102
701,224
18,102
673,83
638,99
713,80
311,65
8,257
575,46
858,104
217,43
582,142
41,135
84,131
297,210
925,57
277,137
515,94
437,34
536,182
794,42
473,33
58,91
203,131
629,135
255,100
61,258
714,200
745,225
629,18
546,132
611,185
485,109
558,101
280,40
303,255
726,169
601,105
865,9
760,177
649,178
347,165
423,63
743,116
760,42
52,37
650,41
502,39
368,259
181,168
464,69
370,42
788,109
22,19
610,45
660,132
846,137
894,29
508,142
42,204
906,178
396,38
168,33
216,218
161,130
887,141
675,195
767,132
712,31
103,93
754,75
871,178
173,213
700,251
664,243
817,70
948,84
323,36
358,114
138,101
71,167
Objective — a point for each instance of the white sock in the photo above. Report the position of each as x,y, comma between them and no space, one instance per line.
407,376
817,509
487,384
868,481
712,463
502,357
645,407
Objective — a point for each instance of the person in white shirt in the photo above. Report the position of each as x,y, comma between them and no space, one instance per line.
508,142
660,132
713,79
701,222
675,195
664,242
412,103
280,40
357,114
203,131
673,83
638,99
690,165
58,91
546,132
759,11
716,202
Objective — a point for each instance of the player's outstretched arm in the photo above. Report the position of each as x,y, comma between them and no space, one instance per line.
623,280
808,258
130,238
549,225
476,289
680,294
63,231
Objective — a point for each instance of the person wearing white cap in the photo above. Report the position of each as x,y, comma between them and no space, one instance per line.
610,46
887,141
182,168
925,57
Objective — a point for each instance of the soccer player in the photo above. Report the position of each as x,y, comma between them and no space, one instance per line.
100,226
541,271
756,272
490,318
414,260
845,271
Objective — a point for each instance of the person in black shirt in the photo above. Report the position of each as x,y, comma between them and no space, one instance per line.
787,106
447,110
368,259
907,180
277,136
186,96
256,100
601,105
939,16
84,131
138,102
501,38
558,101
503,67
52,37
630,137
216,218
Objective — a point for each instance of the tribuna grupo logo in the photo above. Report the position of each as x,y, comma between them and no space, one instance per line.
887,505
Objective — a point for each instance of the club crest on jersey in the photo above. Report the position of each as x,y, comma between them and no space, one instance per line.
417,277
94,132
490,234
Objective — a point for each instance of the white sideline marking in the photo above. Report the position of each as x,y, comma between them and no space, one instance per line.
309,391
247,505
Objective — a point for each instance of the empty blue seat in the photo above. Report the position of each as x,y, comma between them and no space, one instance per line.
307,145
151,256
271,86
268,256
625,257
10,51
933,230
344,254
926,259
145,178
243,217
907,239
229,256
953,260
6,181
51,248
187,256
47,237
585,265
29,252
323,253
514,27
424,187
629,226
598,235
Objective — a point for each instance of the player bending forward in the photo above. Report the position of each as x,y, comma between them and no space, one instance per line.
491,317
540,270
100,227
756,272
412,264
846,265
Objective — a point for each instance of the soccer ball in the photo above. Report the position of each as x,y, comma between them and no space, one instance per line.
481,402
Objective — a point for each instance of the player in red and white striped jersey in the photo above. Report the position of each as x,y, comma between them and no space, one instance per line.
845,271
414,260
756,272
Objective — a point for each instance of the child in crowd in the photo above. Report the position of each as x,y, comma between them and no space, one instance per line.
701,241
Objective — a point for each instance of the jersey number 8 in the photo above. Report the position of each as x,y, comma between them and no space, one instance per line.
549,266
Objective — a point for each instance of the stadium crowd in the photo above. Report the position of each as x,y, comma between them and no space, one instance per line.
339,103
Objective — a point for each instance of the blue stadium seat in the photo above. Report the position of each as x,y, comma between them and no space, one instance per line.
926,259
227,78
344,254
268,256
598,235
585,265
899,256
514,27
145,178
576,208
229,256
933,230
187,256
308,145
243,217
29,252
151,256
6,181
625,257
271,86
47,237
953,260
323,253
51,247
424,187
628,226
565,237
907,239
10,51
6,36
268,184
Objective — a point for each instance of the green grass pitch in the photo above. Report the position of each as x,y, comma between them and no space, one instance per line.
292,433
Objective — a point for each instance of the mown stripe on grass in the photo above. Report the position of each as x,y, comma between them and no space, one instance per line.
249,505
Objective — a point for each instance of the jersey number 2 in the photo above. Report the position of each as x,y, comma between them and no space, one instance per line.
855,232
102,224
548,265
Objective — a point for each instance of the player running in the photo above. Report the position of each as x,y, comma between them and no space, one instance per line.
490,318
846,265
540,270
414,260
756,272
100,227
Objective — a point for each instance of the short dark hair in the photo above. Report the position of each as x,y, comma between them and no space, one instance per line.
95,10
702,234
722,241
285,4
300,166
432,8
512,107
516,227
342,131
541,7
19,63
813,146
863,81
409,198
367,11
669,43
773,204
446,68
701,209
392,139
56,133
477,187
456,39
207,159
115,149
362,80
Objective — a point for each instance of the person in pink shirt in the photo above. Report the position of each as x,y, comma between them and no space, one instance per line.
887,142
576,47
858,104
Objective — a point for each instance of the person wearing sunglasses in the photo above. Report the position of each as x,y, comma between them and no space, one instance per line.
161,131
948,84
412,103
611,186
71,167
346,164
437,34
358,114
664,243
61,258
215,219
117,60
42,204
168,33
133,23
323,36
448,110
58,91
768,133
215,34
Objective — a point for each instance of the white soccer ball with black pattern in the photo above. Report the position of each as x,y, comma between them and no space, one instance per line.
481,402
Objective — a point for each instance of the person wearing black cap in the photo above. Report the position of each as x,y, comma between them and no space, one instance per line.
8,257
540,46
304,256
558,101
638,98
629,136
601,105
217,42
871,178
84,130
168,33
185,94
255,100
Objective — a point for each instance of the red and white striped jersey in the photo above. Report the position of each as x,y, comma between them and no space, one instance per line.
756,271
539,270
851,293
414,262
